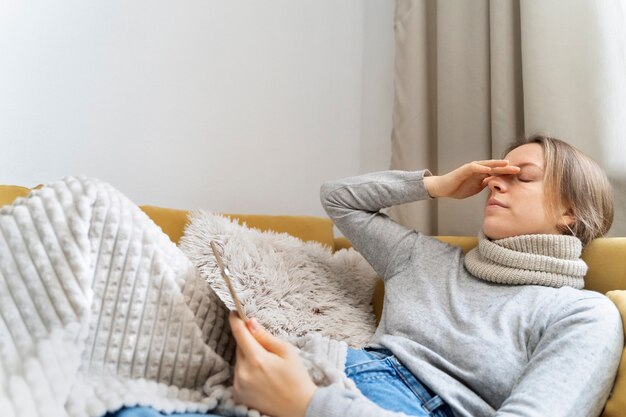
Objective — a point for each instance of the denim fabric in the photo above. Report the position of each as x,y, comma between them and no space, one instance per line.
377,374
385,381
149,412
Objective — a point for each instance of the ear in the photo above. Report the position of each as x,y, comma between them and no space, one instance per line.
566,219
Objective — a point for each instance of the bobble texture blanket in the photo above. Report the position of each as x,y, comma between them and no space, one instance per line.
99,309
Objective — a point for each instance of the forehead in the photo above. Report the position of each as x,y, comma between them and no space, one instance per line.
531,153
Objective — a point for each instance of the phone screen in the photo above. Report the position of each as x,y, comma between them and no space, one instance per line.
226,276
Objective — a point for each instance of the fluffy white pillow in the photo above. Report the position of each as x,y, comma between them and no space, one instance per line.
292,287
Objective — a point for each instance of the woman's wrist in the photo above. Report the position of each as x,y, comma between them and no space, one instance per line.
430,183
304,402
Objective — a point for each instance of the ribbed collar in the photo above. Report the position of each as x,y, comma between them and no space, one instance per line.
548,260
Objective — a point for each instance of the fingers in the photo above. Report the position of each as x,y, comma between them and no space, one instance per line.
493,162
495,172
253,340
507,170
477,168
238,354
494,167
267,340
245,341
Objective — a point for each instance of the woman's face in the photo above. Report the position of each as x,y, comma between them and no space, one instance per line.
516,203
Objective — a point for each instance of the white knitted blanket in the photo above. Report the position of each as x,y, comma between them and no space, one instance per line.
99,309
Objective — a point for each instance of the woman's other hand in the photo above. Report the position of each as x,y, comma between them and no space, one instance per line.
269,374
468,179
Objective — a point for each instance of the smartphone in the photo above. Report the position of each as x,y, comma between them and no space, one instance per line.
226,276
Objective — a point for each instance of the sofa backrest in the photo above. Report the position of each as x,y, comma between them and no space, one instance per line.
307,228
606,257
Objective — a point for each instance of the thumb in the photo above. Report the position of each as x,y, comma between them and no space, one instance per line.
266,339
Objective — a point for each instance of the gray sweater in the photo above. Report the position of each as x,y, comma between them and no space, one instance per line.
487,349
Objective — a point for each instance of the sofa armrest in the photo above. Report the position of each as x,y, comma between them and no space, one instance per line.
8,193
616,404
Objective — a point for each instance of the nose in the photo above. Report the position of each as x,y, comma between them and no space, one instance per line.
497,183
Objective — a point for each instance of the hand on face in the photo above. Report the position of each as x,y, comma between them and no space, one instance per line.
517,203
517,200
468,179
269,374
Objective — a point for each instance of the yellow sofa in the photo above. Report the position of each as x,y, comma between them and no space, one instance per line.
606,258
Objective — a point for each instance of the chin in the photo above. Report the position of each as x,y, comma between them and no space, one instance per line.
494,233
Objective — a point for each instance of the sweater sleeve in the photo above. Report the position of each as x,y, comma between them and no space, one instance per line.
573,367
354,205
335,401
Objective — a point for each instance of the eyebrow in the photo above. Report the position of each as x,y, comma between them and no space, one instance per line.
524,164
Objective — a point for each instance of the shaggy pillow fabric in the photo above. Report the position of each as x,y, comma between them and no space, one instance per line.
292,287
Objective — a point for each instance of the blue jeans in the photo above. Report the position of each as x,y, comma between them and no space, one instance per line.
379,376
388,383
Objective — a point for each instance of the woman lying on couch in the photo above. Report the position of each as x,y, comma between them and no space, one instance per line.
506,330
99,309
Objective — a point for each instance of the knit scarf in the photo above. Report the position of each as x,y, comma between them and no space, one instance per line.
548,260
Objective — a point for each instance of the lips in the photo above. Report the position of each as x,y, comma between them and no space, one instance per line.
495,202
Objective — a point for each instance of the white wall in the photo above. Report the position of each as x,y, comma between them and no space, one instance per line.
229,105
377,85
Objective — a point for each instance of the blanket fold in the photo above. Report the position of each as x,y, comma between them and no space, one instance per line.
99,310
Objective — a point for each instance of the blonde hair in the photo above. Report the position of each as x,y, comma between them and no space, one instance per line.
574,181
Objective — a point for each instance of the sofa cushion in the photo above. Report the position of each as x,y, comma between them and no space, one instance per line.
292,287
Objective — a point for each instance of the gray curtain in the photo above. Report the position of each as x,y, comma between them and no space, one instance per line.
471,76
